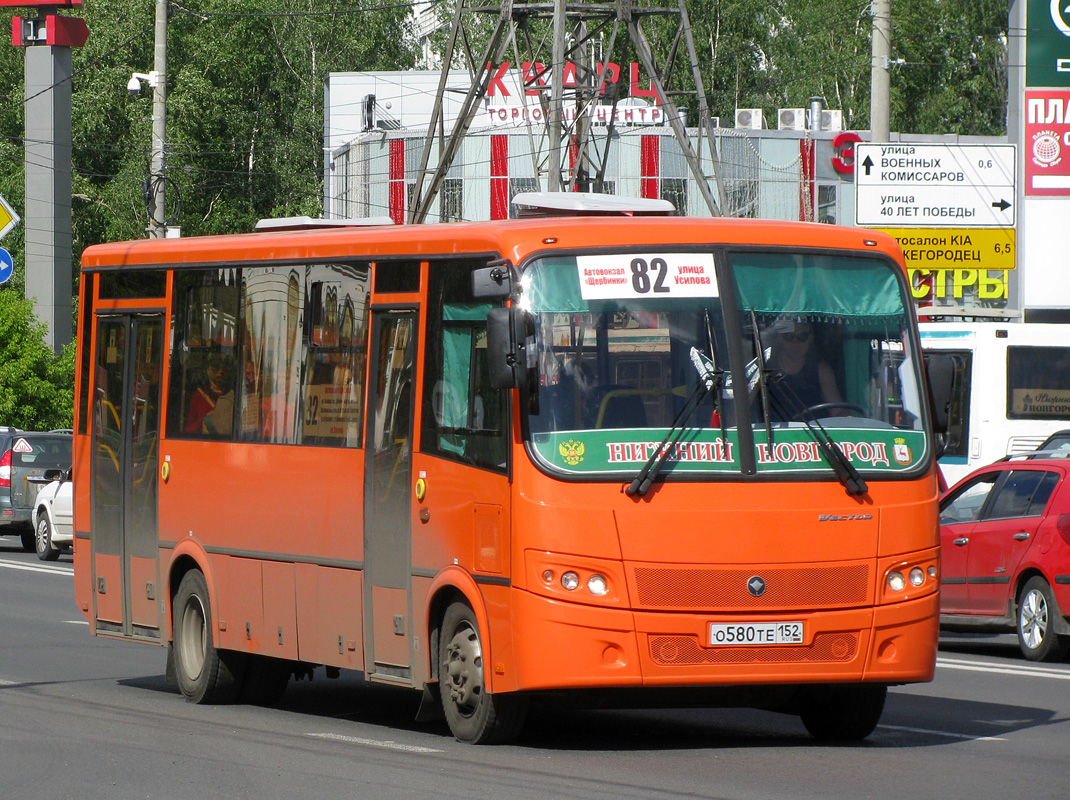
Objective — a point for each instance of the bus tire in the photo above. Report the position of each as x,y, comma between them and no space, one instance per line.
843,713
1037,638
203,673
474,715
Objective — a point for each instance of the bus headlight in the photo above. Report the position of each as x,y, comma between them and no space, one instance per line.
909,580
895,581
578,579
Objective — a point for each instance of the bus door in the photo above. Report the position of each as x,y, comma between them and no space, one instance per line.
124,467
387,503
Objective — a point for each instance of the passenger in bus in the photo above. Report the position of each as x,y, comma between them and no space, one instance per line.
207,411
804,379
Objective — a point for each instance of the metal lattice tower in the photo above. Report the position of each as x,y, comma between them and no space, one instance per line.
522,28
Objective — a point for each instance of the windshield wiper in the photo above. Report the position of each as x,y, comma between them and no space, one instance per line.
845,471
709,377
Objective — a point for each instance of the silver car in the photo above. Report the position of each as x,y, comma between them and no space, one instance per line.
53,515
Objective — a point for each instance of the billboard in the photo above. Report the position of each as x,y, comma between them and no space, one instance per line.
1047,43
1046,146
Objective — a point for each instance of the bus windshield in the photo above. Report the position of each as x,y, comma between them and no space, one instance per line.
629,346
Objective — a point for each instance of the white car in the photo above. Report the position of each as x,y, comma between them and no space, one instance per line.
53,515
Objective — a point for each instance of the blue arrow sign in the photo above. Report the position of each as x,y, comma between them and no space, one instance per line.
7,266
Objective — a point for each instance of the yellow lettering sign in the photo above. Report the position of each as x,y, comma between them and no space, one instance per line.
961,249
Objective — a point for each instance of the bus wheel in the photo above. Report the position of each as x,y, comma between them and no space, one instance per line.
474,715
1036,623
843,713
203,673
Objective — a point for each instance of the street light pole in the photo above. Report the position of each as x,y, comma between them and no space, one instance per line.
880,80
157,165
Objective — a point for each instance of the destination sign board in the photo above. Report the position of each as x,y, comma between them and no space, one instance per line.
935,185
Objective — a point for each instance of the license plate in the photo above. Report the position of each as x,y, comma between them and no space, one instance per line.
752,633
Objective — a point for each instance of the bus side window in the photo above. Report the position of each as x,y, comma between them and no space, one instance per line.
465,419
332,394
203,371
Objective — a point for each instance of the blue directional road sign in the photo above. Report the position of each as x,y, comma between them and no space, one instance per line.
7,266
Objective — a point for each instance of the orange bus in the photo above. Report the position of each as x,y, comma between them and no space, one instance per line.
607,458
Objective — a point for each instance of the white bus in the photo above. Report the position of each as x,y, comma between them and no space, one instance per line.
1011,388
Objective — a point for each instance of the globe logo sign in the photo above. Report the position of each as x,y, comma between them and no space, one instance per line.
1046,149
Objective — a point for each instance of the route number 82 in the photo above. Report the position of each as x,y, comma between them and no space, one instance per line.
641,274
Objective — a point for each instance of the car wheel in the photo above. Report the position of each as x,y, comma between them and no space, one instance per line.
43,540
843,713
1036,623
203,673
474,715
29,539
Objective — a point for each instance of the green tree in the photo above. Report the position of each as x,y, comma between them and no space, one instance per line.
36,386
245,102
953,78
948,60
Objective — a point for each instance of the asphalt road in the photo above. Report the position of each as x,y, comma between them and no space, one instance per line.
82,718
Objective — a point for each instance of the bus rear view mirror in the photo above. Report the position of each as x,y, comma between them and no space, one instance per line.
940,372
507,335
492,281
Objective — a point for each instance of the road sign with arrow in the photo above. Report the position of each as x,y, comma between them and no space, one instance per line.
935,185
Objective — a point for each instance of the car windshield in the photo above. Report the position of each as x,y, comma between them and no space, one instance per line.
626,343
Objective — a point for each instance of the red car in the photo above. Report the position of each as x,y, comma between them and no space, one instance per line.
1005,553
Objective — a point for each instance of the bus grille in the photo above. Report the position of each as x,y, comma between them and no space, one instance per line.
726,589
685,650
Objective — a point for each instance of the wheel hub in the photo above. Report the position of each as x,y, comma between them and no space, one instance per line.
464,669
1034,618
193,639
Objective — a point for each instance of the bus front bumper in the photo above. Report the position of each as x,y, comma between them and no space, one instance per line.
571,646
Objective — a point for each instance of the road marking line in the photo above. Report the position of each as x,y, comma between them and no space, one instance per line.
1036,672
1030,667
943,733
35,568
8,683
75,622
408,748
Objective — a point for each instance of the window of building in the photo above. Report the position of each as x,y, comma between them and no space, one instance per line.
826,203
675,191
519,186
451,200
